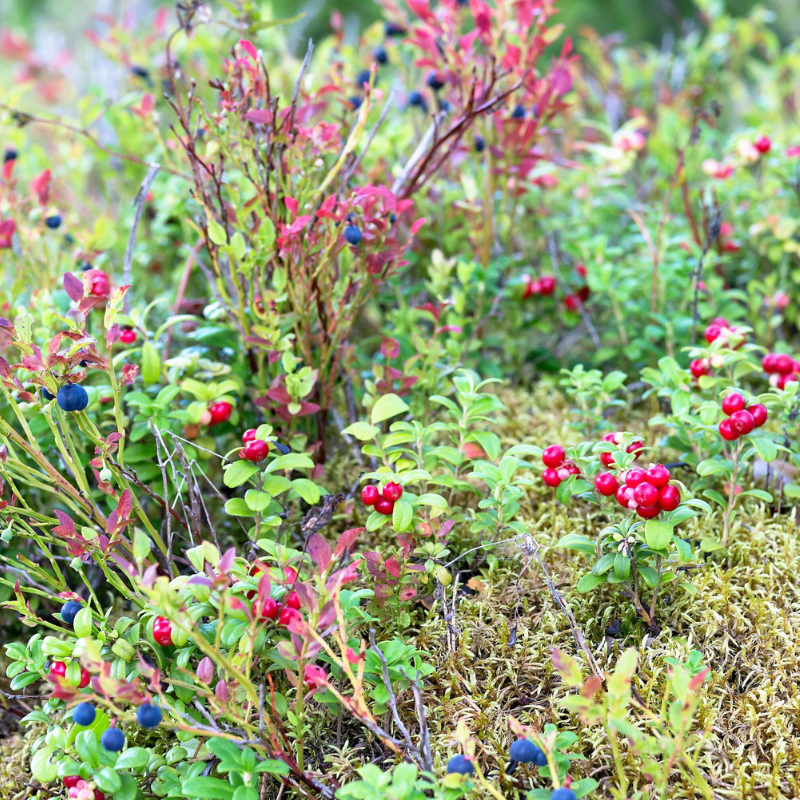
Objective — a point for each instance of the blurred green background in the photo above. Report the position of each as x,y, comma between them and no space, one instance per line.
56,23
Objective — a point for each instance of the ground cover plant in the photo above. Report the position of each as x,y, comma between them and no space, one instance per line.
408,413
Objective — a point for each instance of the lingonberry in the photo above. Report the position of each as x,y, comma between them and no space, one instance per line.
624,496
293,601
113,740
162,631
268,609
460,765
148,715
392,491
72,397
352,235
759,412
726,431
553,456
606,484
384,506
669,497
220,412
84,679
635,476
69,611
763,144
768,363
256,450
100,284
784,379
70,781
783,364
370,495
712,332
732,403
645,494
699,367
83,714
290,574
550,477
648,512
658,475
572,469
287,615
528,291
128,336
742,422
572,302
635,447
607,458
248,435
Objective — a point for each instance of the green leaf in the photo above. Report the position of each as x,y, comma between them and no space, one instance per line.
433,500
87,747
649,575
589,582
207,788
574,541
307,489
238,245
764,447
239,472
135,759
386,406
107,781
363,431
273,767
151,364
236,507
657,534
216,232
402,516
759,493
622,566
714,495
43,769
291,461
256,501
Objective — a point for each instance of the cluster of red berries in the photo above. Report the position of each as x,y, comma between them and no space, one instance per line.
217,413
573,302
284,611
77,787
741,418
647,492
781,368
720,329
383,502
254,449
58,669
558,468
607,458
545,285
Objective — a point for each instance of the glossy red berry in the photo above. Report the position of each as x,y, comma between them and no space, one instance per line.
548,284
572,302
658,475
162,631
609,437
256,450
635,476
759,412
726,431
645,494
606,484
290,574
71,780
669,498
635,447
553,456
528,291
732,403
392,491
269,609
101,285
572,469
782,363
287,615
624,496
768,363
384,506
742,422
550,477
220,412
370,495
648,512
128,336
712,332
58,669
607,458
784,379
293,601
248,435
763,144
85,678
699,367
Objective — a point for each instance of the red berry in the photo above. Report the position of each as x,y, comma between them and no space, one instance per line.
635,447
220,412
712,332
553,456
58,669
269,609
784,379
548,284
293,601
726,431
658,475
645,494
528,290
84,682
128,336
635,476
256,450
742,422
287,615
99,795
384,506
392,491
572,469
699,367
248,435
72,780
669,498
763,144
782,363
768,363
101,285
607,458
290,573
609,437
162,631
572,302
648,512
581,270
624,496
732,403
370,495
722,321
550,477
759,412
606,484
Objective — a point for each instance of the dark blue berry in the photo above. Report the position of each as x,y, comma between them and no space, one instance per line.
148,715
140,72
480,144
70,610
460,765
72,397
435,81
445,106
352,235
381,56
47,396
524,751
563,794
84,265
415,98
11,155
392,218
53,221
283,449
355,102
364,77
83,714
518,112
393,29
69,238
113,739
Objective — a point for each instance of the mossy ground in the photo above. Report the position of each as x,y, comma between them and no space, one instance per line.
744,618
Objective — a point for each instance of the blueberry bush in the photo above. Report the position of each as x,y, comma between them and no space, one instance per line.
407,413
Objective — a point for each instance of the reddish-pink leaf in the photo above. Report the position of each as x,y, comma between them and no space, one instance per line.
346,541
320,552
249,49
73,287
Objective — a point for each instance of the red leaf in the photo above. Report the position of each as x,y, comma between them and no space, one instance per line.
129,373
73,287
261,116
346,541
67,526
249,49
390,348
320,552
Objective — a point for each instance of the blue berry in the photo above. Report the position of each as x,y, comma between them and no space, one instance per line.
518,112
524,751
83,714
72,397
53,221
563,794
480,144
10,155
113,740
393,29
352,235
70,610
148,715
381,56
364,77
355,102
461,765
47,396
435,81
415,98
